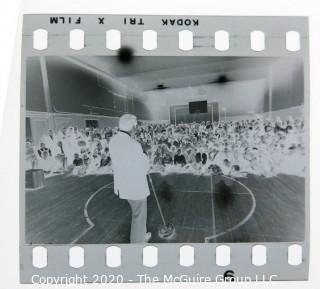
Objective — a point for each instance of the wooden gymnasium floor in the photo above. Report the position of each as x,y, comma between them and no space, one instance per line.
84,210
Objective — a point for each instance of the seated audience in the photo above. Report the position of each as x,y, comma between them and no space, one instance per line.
257,146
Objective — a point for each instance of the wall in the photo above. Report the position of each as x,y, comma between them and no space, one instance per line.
279,86
34,85
287,83
236,97
74,89
284,114
75,94
41,122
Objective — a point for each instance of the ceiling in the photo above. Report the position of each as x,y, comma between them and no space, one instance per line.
146,73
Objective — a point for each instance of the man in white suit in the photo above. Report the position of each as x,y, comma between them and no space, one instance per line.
130,167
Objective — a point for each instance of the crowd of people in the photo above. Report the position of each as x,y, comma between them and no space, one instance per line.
236,148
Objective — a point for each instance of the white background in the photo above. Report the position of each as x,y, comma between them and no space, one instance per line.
10,25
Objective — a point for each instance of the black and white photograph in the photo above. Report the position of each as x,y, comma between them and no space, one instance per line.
164,149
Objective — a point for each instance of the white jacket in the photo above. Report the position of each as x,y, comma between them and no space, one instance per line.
130,167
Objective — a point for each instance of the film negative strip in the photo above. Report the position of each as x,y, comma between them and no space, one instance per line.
164,149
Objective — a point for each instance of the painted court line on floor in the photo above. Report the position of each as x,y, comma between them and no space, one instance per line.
214,236
86,215
244,220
